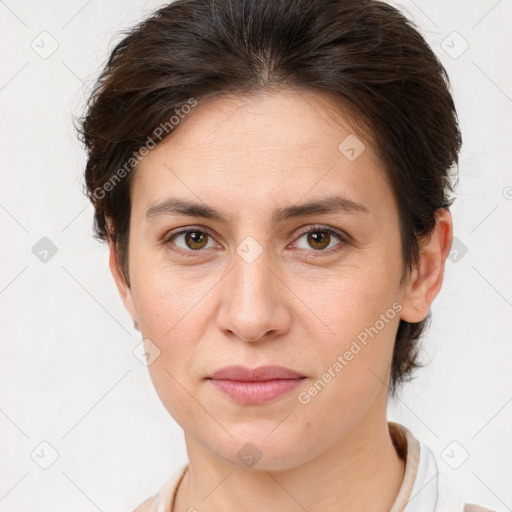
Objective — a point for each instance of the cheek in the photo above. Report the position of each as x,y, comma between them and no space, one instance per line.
167,300
170,318
354,371
353,297
174,312
359,305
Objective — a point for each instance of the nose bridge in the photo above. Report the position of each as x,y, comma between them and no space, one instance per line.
251,305
251,286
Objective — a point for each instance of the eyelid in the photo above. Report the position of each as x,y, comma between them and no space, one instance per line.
322,227
185,229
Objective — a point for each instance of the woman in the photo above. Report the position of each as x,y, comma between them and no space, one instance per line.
273,179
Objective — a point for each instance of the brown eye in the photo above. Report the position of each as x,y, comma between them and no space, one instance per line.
321,240
196,239
318,239
190,241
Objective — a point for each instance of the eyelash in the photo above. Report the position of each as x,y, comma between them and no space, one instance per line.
316,228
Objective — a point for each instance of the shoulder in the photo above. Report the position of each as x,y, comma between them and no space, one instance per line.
470,507
147,504
451,497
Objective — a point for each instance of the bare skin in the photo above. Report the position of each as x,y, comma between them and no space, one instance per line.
296,305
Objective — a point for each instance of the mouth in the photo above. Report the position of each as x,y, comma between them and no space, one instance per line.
252,386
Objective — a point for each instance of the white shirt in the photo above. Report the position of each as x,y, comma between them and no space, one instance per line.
423,489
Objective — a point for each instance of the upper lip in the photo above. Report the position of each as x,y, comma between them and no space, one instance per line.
260,373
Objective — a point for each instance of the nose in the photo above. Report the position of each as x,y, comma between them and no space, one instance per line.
254,301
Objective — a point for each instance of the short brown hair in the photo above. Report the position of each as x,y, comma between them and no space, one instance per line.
365,52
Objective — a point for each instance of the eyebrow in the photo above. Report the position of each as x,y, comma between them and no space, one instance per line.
331,204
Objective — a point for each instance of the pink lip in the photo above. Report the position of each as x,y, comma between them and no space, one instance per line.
255,385
260,373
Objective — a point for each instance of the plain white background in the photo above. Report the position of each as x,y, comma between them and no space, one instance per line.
68,374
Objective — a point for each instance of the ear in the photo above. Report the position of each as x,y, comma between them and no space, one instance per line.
123,287
426,279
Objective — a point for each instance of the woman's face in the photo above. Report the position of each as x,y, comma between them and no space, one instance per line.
269,284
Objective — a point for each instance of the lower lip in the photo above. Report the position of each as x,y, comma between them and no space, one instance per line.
252,393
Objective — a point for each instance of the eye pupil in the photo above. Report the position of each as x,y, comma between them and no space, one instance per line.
195,239
319,239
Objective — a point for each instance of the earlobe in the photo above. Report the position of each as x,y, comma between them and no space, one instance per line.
124,289
427,278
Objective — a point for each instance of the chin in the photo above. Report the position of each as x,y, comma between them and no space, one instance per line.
254,448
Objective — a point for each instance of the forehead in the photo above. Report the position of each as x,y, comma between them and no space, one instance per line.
288,144
290,120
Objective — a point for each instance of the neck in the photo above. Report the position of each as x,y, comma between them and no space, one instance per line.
362,471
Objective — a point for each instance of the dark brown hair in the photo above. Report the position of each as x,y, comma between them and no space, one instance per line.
364,52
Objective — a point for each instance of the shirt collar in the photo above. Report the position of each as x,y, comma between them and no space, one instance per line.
424,488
